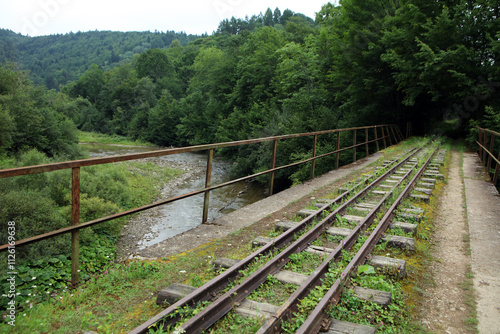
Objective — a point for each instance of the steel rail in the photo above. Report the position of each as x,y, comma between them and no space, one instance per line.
489,153
313,322
207,291
212,313
73,228
223,304
134,156
273,325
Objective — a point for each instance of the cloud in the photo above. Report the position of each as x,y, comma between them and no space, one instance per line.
44,17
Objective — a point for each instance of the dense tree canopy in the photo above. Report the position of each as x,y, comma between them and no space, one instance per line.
419,61
31,117
59,59
432,63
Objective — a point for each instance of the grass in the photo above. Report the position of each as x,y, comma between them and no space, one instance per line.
101,138
112,285
115,301
124,296
272,292
146,179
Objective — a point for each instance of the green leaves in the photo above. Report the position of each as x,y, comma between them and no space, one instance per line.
366,269
153,63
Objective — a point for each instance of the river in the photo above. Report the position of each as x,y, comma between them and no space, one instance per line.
178,217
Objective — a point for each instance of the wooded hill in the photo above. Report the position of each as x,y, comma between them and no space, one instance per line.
59,59
431,63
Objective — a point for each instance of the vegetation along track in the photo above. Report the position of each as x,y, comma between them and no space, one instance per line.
338,236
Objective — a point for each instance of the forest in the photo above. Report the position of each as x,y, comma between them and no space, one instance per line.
433,64
56,60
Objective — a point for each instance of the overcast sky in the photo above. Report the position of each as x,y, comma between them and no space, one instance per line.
45,17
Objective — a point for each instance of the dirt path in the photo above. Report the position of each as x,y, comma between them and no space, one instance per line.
444,309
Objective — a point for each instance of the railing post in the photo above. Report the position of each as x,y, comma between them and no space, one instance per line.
338,148
389,135
492,146
271,182
208,180
366,142
383,137
495,176
354,141
314,155
376,138
480,138
75,220
484,151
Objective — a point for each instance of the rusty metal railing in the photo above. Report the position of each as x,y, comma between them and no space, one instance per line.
379,133
487,155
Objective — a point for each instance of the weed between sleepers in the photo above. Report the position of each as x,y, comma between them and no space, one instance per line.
262,292
308,304
273,292
339,268
372,313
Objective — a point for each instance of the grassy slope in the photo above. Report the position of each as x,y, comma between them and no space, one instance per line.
94,137
145,180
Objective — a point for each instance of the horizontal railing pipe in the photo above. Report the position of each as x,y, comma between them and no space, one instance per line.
77,164
487,155
135,156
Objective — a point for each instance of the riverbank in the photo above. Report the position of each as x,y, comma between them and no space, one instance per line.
94,137
161,223
139,227
268,210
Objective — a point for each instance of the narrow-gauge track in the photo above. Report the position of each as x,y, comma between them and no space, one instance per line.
399,175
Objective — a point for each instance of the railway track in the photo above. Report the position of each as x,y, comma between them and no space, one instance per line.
340,233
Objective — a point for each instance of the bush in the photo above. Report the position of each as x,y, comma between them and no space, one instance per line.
107,182
33,213
92,208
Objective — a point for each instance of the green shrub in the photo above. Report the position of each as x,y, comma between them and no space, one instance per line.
92,208
33,213
107,182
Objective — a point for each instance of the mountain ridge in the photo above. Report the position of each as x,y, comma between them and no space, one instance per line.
56,60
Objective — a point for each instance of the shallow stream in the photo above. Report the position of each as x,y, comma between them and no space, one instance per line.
185,214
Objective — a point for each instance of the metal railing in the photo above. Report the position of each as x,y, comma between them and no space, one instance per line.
372,134
487,155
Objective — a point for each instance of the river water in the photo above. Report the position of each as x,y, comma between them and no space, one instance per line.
180,216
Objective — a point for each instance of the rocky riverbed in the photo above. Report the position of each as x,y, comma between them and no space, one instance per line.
158,224
139,228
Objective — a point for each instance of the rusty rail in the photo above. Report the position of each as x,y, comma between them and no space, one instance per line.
224,303
487,155
388,132
313,323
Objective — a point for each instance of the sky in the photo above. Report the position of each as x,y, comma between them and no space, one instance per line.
46,17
